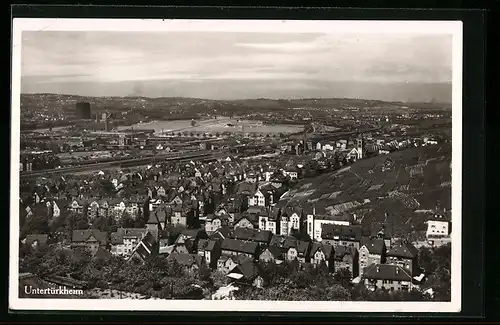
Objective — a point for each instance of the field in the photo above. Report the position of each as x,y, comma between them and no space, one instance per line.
406,185
219,125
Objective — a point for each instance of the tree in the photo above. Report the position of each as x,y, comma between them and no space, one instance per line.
343,277
35,224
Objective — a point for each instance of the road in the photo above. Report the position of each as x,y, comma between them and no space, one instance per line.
124,162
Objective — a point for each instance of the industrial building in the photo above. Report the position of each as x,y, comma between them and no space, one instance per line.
83,111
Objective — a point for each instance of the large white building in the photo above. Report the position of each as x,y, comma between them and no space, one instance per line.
315,223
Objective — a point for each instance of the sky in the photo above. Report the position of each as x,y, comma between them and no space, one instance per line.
225,65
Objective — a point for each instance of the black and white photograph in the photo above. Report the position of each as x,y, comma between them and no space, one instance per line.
236,165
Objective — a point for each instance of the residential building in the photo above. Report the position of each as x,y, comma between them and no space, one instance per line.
190,262
315,223
257,199
124,240
388,276
261,237
336,235
247,273
346,257
372,251
147,249
237,247
406,256
210,250
90,239
272,254
323,254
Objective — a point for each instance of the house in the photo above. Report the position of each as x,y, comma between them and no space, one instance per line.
237,247
372,251
246,220
35,240
298,250
291,220
291,172
438,229
154,226
251,178
323,254
315,223
221,234
336,235
384,232
406,256
77,206
346,258
247,273
190,262
257,199
124,240
210,250
147,249
261,237
90,239
178,216
227,263
272,254
388,276
214,222
270,221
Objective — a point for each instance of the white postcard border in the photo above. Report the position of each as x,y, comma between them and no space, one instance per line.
275,26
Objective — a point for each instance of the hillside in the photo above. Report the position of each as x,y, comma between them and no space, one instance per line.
62,103
407,185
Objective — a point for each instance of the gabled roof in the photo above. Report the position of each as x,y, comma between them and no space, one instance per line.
206,245
275,251
342,251
239,246
221,233
405,250
84,235
248,269
256,235
325,248
146,248
386,272
117,237
374,246
330,231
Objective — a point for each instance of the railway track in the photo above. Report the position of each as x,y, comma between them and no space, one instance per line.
134,162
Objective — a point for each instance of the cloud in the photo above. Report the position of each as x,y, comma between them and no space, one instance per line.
113,57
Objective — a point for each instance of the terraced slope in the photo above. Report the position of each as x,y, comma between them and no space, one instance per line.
402,189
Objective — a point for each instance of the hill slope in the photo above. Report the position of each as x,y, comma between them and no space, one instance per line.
407,185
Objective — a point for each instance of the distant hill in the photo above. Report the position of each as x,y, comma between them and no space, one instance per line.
400,184
194,105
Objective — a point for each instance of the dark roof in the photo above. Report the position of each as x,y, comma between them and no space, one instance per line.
84,235
102,254
248,269
239,246
146,247
330,231
325,248
405,250
256,235
206,245
341,251
193,233
275,251
40,238
381,230
374,245
186,260
283,241
117,237
386,272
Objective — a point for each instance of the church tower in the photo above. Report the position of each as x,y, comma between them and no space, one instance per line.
360,146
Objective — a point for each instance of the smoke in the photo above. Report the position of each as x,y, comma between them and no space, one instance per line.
137,89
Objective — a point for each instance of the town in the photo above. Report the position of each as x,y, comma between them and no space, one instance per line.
295,205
